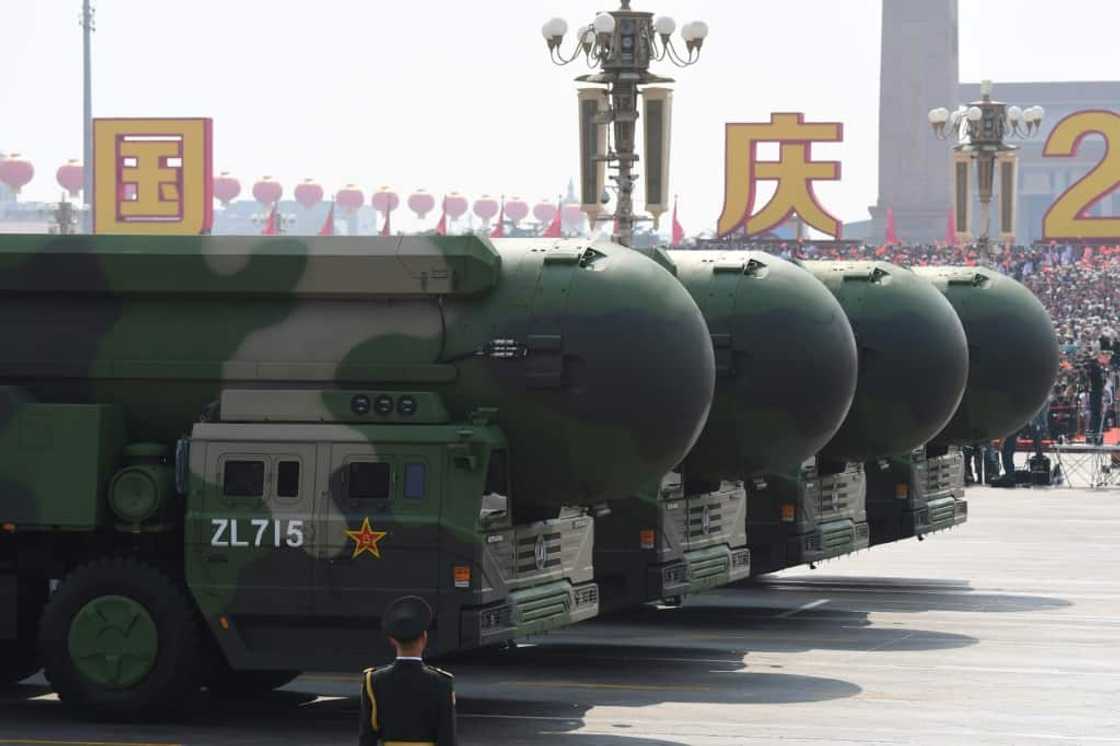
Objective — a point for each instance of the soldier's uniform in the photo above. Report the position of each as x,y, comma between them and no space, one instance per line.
408,702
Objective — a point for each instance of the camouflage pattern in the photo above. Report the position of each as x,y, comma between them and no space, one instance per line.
785,362
583,349
1012,347
913,359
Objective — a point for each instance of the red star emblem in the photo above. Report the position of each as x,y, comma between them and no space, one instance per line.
366,539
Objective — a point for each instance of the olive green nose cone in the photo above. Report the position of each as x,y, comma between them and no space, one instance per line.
786,362
913,359
638,374
1012,349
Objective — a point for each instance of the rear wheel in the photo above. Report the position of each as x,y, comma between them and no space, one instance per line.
121,641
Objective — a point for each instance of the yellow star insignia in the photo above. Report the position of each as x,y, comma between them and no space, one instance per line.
366,539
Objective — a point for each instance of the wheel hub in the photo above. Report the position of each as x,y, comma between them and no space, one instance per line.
113,641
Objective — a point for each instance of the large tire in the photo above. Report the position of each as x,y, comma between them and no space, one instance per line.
19,658
243,684
120,641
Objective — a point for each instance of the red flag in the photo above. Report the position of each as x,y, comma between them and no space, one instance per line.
554,228
385,226
500,229
272,225
441,226
951,228
328,224
892,232
678,229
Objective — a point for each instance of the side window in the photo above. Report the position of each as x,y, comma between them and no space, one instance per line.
243,479
287,479
368,480
415,480
495,495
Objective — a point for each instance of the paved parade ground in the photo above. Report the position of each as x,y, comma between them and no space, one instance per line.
1006,630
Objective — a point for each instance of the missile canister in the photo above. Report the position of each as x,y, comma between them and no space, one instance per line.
913,358
785,361
597,360
1012,351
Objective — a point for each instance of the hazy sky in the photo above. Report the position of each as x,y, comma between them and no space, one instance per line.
456,95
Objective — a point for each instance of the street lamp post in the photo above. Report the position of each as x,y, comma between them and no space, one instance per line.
980,132
87,24
621,44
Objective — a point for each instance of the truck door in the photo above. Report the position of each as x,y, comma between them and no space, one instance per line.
255,557
379,513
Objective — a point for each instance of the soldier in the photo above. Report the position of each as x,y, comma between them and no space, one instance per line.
407,702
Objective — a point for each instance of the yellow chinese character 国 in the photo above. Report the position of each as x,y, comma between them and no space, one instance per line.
152,176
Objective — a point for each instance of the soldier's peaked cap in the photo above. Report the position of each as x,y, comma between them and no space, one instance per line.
407,618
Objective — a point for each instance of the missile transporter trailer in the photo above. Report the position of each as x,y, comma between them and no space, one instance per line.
220,458
786,374
1013,354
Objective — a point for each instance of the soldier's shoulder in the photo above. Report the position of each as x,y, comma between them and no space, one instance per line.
440,672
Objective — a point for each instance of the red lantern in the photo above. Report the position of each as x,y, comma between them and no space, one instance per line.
16,172
71,177
544,211
516,210
456,205
421,203
226,188
486,208
350,198
309,194
385,200
267,192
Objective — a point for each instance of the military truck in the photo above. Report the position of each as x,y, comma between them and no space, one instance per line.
913,364
786,374
221,457
1013,359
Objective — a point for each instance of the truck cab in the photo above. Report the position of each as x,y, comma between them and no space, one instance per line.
670,543
304,524
818,513
916,494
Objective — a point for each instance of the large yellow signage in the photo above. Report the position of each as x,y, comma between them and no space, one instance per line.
152,176
1068,217
794,171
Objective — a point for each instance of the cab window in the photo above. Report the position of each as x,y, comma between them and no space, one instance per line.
368,480
243,478
415,480
287,479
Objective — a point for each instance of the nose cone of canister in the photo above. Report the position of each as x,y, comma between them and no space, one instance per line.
1012,349
913,358
637,373
786,366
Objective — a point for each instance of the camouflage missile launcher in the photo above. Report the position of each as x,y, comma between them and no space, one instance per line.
786,367
913,363
1013,359
232,452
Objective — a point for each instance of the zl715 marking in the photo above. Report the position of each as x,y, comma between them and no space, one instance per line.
226,533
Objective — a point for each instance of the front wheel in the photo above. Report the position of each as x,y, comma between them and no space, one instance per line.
120,641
